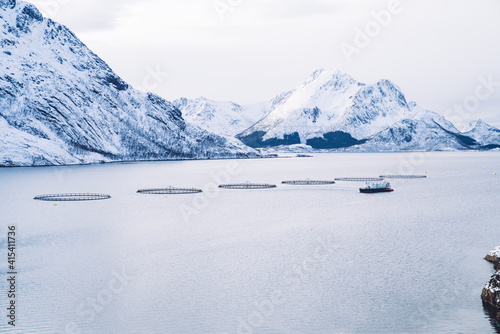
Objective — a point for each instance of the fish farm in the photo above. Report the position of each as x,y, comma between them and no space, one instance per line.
308,182
403,176
169,191
72,197
360,179
248,186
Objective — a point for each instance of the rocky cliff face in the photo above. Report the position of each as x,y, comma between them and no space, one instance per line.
61,104
491,291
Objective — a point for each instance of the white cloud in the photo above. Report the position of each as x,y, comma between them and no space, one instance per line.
88,15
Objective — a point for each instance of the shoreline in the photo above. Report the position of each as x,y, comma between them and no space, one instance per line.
273,155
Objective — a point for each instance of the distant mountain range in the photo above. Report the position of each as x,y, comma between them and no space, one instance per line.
332,111
62,104
223,118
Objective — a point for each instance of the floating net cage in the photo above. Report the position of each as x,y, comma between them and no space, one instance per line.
360,179
404,176
72,197
169,191
308,182
248,185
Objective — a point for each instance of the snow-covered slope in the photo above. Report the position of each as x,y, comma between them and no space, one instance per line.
61,104
331,110
483,133
222,118
426,131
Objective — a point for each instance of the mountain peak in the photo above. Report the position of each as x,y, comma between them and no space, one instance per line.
325,75
221,117
473,125
483,133
8,4
388,83
20,16
317,73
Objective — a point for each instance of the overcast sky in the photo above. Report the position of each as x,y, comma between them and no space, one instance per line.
438,52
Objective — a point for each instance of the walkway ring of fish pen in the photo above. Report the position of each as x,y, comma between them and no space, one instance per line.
72,197
308,182
248,186
169,191
360,179
404,176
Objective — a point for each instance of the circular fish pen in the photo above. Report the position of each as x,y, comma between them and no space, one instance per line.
404,176
72,197
169,191
360,179
247,185
308,182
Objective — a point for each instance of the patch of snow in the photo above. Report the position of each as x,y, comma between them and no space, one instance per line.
495,252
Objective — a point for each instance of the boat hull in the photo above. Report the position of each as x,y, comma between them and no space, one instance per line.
373,191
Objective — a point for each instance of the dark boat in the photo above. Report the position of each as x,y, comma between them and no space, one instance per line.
376,187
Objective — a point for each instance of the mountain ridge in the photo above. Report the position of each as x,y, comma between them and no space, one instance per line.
62,104
220,117
331,110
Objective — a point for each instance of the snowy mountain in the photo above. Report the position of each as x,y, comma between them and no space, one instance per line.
222,118
331,110
62,104
483,133
426,131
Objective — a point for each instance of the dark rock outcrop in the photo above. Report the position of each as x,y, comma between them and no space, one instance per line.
491,291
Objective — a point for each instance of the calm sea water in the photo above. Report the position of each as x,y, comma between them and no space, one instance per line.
295,259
